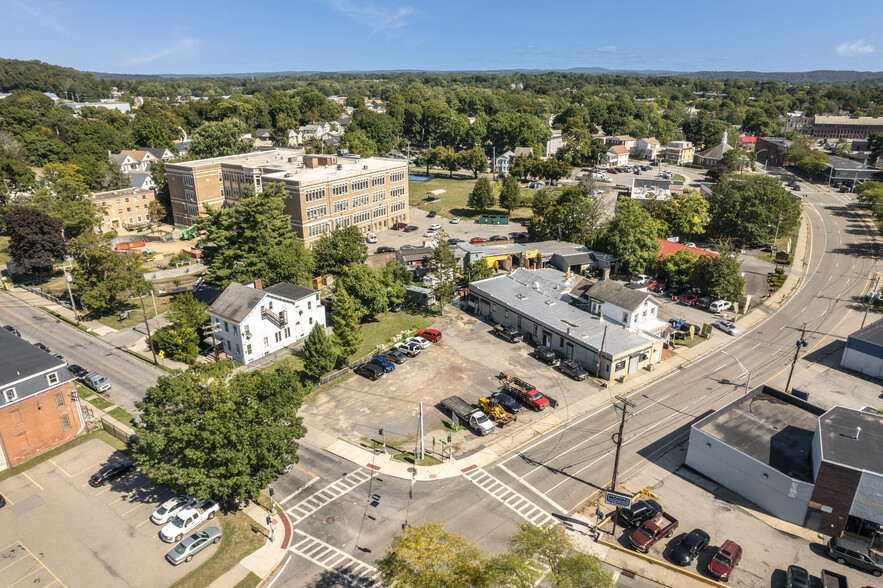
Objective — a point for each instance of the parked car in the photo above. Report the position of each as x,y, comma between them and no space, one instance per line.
455,220
689,547
431,214
676,323
725,561
727,327
411,228
434,227
110,472
42,347
431,335
797,577
430,233
386,249
423,343
186,549
545,354
410,349
498,238
454,240
396,356
855,553
188,519
478,240
639,512
2,501
704,302
372,371
12,330
510,404
399,226
573,369
57,355
383,362
96,381
171,507
720,306
690,299
78,371
408,246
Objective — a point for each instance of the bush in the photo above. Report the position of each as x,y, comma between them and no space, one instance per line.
780,270
178,344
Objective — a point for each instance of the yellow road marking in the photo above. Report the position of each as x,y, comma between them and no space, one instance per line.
142,522
127,494
13,563
89,467
52,582
105,490
8,500
10,545
307,472
42,564
26,575
32,480
131,509
63,471
127,376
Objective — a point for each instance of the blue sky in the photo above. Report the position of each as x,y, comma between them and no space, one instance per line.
224,36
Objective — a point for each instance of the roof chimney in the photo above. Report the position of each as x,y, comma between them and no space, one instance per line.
258,285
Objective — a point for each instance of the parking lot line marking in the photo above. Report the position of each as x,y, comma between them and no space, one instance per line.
126,495
63,471
32,480
142,522
23,577
10,545
42,564
89,467
8,500
13,563
131,509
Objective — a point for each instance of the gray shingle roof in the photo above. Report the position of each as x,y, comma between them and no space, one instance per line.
617,294
236,301
290,291
19,359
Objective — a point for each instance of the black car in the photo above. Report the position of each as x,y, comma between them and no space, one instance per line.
689,547
507,402
111,472
386,250
454,241
573,369
395,356
2,501
797,577
12,330
78,371
498,238
545,354
431,214
372,371
642,510
411,229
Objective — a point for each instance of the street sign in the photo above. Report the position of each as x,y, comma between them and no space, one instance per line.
618,499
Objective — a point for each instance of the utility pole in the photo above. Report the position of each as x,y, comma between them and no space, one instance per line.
600,351
155,311
68,280
872,296
800,343
420,433
617,438
147,324
777,232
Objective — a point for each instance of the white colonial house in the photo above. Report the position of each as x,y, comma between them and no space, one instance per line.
648,149
618,156
251,322
633,308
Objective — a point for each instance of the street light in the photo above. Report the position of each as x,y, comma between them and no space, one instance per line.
765,159
744,371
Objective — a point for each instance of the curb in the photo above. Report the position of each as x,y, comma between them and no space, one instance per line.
663,563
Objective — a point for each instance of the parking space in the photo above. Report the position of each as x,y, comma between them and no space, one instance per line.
59,529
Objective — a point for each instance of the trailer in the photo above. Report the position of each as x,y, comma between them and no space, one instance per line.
473,417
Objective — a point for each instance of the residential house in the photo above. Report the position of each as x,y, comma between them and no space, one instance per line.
161,153
251,322
648,149
661,189
712,155
624,140
502,162
748,143
141,180
143,159
127,163
263,140
307,133
123,210
618,156
679,152
554,143
616,302
671,247
39,406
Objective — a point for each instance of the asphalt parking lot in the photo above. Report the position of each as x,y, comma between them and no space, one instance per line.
57,528
465,229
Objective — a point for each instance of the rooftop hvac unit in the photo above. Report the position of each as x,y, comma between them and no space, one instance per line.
339,166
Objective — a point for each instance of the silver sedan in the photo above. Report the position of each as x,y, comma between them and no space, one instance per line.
186,549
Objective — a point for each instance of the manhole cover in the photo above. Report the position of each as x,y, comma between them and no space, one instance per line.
329,520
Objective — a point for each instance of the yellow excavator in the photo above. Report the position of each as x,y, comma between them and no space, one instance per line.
496,412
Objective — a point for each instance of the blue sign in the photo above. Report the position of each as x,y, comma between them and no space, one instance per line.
617,499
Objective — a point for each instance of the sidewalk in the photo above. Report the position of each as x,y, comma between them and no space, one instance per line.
37,301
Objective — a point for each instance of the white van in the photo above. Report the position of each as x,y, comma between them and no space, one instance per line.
719,306
96,381
371,238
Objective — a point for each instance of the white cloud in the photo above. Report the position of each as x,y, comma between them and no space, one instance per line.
607,49
180,49
860,47
377,18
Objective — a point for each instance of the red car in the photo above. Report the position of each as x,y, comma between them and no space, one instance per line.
478,240
691,299
430,335
725,561
398,226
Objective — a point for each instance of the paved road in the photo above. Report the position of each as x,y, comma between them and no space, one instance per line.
129,376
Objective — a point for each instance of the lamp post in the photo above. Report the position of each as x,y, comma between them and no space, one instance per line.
744,371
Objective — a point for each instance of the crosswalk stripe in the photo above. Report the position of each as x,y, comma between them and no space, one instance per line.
326,495
333,559
520,505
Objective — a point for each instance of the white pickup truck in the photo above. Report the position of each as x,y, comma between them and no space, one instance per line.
188,519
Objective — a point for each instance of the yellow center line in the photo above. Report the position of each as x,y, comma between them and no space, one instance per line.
63,471
13,563
25,576
42,564
127,376
32,480
307,472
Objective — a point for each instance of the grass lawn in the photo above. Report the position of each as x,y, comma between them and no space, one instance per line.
679,178
121,414
99,434
390,324
4,250
99,402
84,392
242,536
135,314
252,580
453,203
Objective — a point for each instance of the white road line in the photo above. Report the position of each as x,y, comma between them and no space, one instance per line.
279,573
756,346
532,489
328,557
328,494
301,489
517,503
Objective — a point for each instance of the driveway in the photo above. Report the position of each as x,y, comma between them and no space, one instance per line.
56,527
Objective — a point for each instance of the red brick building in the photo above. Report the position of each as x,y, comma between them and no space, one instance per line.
39,408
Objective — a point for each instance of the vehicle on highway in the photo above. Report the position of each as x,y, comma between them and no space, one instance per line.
386,249
545,354
690,546
42,347
430,233
797,577
384,363
725,561
372,371
498,238
423,343
170,508
573,369
410,349
651,531
478,240
96,381
727,327
110,472
430,335
856,553
78,371
396,356
455,220
507,402
639,512
186,549
399,226
469,415
188,519
411,228
434,227
12,330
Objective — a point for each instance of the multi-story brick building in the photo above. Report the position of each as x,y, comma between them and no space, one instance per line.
39,408
124,210
679,152
324,191
845,127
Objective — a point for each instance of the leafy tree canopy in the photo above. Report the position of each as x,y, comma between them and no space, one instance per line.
339,249
35,239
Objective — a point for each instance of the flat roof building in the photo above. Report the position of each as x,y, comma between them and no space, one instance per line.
826,126
864,350
124,210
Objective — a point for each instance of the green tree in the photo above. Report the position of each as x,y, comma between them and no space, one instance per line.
720,277
186,312
815,164
443,267
474,160
746,208
339,249
798,149
214,139
482,196
568,215
396,278
35,239
553,169
678,267
631,236
150,132
213,436
478,270
448,159
320,355
526,166
102,276
15,176
510,194
366,288
348,334
178,344
683,215
428,556
875,145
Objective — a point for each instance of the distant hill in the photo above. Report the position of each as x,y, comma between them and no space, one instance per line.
44,77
